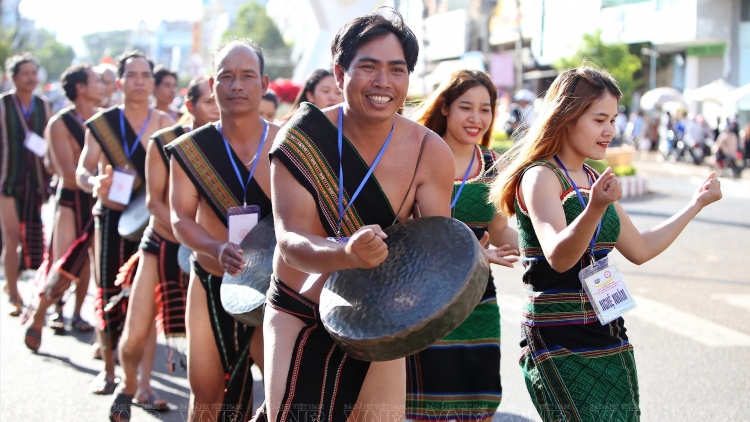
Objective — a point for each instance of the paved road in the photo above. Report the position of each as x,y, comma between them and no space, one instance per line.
690,331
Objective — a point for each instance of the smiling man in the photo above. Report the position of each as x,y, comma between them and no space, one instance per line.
215,171
373,56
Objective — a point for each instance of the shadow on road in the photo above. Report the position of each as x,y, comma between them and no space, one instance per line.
68,362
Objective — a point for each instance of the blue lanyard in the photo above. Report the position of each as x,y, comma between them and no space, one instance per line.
463,182
341,169
583,204
26,113
129,151
255,161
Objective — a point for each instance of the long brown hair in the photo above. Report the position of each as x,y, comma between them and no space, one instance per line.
312,81
570,95
429,112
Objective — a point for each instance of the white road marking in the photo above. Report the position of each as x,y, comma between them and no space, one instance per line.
738,300
688,325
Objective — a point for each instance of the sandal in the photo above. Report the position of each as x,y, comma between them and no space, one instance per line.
79,324
57,323
102,387
120,409
152,402
33,339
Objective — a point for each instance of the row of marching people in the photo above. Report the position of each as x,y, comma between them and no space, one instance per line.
89,151
350,187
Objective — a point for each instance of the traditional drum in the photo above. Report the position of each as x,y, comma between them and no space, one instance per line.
243,296
183,258
433,278
134,218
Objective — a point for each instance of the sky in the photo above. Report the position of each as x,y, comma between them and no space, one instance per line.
71,19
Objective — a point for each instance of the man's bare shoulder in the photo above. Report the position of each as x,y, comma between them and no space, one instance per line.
55,120
332,113
161,114
43,98
99,114
434,146
273,130
437,154
164,119
162,131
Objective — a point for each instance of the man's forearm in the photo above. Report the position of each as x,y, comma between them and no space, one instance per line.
83,180
160,211
196,237
313,254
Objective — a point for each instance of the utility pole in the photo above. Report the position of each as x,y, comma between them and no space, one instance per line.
653,55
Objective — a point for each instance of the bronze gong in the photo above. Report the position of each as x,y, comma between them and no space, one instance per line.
243,296
183,258
433,278
134,218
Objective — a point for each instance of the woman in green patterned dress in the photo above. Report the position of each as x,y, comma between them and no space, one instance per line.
459,376
576,368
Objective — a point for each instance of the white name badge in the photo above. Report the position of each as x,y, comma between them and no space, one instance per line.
122,186
35,144
606,290
241,221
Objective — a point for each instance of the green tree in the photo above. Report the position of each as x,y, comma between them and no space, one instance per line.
112,43
5,52
253,22
615,58
52,55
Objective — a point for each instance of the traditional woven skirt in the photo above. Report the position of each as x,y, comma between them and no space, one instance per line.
323,382
115,252
170,293
54,278
575,368
459,376
233,344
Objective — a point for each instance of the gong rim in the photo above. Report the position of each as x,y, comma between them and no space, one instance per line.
183,258
243,296
406,327
134,218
